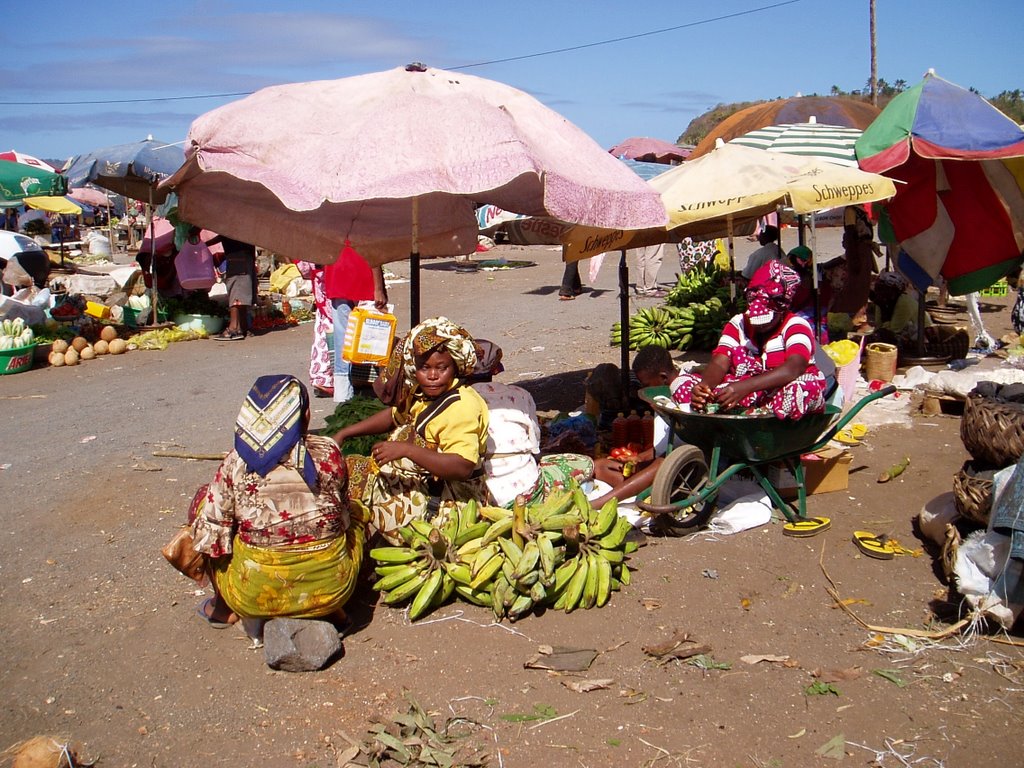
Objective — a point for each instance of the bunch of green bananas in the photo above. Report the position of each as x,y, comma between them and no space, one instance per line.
697,285
510,560
668,327
418,571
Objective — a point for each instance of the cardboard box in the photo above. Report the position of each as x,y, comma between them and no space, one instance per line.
826,471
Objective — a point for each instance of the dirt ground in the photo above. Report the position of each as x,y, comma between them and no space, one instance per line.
100,643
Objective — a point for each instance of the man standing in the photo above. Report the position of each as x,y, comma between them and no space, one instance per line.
770,249
239,271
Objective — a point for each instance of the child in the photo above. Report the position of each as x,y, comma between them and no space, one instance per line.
653,367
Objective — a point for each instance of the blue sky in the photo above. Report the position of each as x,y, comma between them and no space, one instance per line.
651,85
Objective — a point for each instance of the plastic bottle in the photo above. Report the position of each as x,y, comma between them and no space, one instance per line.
620,431
647,423
634,428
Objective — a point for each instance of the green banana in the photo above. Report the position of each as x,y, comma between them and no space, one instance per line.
606,518
425,595
511,551
494,514
590,587
384,570
574,590
474,531
563,574
617,537
500,528
613,556
405,591
528,562
546,553
487,571
624,576
394,554
558,522
604,581
459,573
396,579
522,605
477,597
483,556
444,594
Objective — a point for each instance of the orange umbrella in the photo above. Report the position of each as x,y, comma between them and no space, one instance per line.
831,110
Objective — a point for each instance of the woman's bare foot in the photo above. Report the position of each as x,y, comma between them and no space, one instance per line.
216,612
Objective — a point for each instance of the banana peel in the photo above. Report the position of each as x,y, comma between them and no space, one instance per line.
895,470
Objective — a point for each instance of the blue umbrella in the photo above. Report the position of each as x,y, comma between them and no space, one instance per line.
133,170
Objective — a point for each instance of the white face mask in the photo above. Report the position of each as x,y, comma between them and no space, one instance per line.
762,320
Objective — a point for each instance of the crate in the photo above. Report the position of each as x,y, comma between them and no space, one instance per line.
826,471
998,288
17,360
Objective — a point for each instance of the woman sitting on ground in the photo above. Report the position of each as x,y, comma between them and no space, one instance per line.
765,357
433,458
281,536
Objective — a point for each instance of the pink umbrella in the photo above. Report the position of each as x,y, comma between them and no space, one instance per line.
649,150
20,157
395,162
90,196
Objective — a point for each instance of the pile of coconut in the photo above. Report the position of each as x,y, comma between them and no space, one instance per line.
64,353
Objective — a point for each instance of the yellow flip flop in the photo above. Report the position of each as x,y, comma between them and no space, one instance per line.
858,430
873,546
802,529
846,437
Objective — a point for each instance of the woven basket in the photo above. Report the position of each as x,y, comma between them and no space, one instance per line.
880,361
954,343
992,432
972,492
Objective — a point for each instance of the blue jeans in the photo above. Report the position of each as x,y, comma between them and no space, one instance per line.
343,390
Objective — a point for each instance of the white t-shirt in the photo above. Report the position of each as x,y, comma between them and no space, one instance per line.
513,440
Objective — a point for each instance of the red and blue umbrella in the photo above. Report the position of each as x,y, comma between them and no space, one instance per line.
959,211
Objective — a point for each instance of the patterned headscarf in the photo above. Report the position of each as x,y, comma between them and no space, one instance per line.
771,290
891,279
397,382
269,429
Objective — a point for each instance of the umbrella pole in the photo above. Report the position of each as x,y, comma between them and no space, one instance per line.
624,323
414,267
814,276
152,260
732,261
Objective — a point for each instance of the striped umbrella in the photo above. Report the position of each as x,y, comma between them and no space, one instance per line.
832,143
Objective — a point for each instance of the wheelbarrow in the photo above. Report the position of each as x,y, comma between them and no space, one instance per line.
714,447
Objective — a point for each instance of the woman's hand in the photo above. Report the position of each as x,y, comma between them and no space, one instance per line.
731,394
389,450
701,395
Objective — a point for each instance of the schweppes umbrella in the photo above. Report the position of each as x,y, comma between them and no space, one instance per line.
730,186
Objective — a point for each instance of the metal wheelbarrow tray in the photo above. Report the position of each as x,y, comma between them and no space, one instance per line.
715,447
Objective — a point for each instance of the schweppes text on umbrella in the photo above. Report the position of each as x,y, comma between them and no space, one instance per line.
845,192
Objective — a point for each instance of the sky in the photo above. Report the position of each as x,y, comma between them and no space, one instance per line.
615,69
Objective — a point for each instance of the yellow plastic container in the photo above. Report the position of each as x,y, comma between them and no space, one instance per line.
99,311
369,336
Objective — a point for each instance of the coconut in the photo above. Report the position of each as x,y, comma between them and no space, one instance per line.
60,346
56,359
109,333
118,347
87,354
71,357
79,343
100,347
45,752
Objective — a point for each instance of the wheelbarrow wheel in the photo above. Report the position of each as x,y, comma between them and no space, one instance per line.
683,474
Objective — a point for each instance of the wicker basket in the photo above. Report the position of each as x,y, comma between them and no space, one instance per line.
972,492
954,343
992,432
880,361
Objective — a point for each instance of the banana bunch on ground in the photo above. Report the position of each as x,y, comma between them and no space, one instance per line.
419,570
661,326
697,286
709,318
559,552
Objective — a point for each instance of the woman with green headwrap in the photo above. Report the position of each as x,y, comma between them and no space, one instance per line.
433,458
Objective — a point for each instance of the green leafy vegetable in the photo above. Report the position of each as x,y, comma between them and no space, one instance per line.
892,675
351,412
818,688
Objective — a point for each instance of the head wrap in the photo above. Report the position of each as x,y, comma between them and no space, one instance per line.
397,382
891,279
801,253
771,290
488,361
269,429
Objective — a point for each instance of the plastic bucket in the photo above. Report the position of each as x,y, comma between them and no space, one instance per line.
17,360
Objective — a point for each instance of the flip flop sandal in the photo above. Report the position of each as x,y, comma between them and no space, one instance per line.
202,614
563,297
858,430
846,437
802,529
872,546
